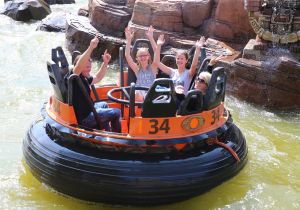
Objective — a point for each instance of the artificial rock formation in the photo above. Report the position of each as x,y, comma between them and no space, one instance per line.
183,22
273,83
25,10
186,19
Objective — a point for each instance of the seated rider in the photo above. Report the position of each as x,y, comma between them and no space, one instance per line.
202,82
181,76
85,116
145,71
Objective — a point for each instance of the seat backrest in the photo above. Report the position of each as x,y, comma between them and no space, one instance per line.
170,61
192,103
57,81
76,87
139,43
58,56
57,68
160,100
215,92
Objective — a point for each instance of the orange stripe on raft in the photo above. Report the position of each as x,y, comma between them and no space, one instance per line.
180,126
146,128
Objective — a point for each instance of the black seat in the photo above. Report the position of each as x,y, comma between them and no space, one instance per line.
137,44
57,68
192,103
56,77
58,56
160,100
170,61
76,87
215,92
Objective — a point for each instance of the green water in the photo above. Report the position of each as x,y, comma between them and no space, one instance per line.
270,180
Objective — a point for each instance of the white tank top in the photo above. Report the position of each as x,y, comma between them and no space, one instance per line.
183,79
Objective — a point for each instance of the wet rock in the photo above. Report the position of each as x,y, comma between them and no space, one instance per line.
84,11
191,15
273,83
109,16
25,10
230,22
79,32
60,1
55,22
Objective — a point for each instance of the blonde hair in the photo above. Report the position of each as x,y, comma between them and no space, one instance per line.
140,50
206,76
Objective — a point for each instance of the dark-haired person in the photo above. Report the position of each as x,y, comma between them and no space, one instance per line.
181,76
109,117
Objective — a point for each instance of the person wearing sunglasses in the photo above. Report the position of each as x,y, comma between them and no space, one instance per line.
202,82
109,117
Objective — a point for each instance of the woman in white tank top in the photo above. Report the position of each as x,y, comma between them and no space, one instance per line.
181,76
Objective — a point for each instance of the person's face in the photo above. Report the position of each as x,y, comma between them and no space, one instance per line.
201,85
87,68
143,56
181,60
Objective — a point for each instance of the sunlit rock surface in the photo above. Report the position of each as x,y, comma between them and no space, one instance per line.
26,10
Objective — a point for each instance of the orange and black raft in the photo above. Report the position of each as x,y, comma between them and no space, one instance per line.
163,154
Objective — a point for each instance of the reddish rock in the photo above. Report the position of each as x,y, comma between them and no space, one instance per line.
109,16
83,11
79,32
194,13
232,14
274,84
163,15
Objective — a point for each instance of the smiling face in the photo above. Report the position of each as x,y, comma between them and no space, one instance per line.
143,56
181,59
202,82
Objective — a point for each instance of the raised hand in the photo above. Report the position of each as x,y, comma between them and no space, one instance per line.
215,60
128,34
200,43
161,40
106,57
149,32
94,42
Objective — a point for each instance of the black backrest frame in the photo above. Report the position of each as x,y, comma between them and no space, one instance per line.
215,92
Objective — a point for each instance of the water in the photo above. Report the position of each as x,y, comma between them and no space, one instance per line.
270,180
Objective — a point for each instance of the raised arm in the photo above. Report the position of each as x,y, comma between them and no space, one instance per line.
156,61
80,65
195,61
149,34
131,63
102,70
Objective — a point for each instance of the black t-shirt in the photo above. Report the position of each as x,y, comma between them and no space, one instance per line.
80,103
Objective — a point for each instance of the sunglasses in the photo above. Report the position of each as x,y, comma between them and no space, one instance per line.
200,80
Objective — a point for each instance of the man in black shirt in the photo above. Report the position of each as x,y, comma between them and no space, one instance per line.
84,114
